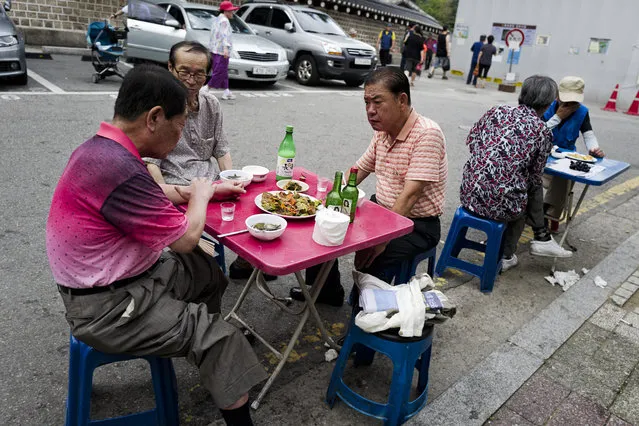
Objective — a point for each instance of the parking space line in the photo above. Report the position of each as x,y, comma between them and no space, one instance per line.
43,81
290,87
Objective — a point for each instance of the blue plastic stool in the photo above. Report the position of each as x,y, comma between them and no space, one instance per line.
84,359
456,241
402,274
406,355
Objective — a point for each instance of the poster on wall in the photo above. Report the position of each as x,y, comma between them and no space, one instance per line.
461,31
599,45
543,40
500,30
461,34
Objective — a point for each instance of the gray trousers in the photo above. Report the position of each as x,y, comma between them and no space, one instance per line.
534,216
172,312
555,197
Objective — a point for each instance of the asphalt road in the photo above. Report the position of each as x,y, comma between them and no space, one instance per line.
45,121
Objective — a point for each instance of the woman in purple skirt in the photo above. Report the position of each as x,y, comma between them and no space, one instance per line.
220,47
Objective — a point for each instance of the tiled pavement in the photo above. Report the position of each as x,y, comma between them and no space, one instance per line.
592,379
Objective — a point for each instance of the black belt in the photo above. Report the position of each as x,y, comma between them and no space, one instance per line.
101,289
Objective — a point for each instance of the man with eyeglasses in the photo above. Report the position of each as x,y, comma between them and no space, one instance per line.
203,149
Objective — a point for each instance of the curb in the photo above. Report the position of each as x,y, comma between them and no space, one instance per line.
479,394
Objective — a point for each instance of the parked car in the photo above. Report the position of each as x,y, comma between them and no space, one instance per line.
156,26
13,60
315,44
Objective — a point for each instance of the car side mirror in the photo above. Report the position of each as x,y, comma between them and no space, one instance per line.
289,27
7,5
173,23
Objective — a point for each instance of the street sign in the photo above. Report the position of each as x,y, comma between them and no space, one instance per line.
515,38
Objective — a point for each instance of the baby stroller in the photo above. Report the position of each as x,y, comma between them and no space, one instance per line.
106,49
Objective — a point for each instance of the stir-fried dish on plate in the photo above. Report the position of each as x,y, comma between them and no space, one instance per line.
289,203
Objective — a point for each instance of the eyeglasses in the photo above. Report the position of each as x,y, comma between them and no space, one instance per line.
197,76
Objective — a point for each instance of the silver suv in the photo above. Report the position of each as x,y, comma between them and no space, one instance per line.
315,45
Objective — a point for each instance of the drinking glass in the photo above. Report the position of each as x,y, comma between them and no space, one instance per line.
322,184
228,211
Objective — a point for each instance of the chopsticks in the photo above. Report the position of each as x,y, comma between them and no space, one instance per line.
233,233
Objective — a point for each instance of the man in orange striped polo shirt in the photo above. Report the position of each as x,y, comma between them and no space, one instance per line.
408,156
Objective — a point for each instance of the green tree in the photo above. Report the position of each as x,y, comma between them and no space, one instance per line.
442,10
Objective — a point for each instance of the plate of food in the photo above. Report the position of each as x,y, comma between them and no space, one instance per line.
287,204
292,185
581,157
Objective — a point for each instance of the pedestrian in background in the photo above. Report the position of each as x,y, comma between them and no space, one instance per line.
409,30
485,59
414,53
431,45
442,57
385,43
352,33
220,47
475,48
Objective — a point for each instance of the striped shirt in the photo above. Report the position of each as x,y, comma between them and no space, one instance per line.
417,153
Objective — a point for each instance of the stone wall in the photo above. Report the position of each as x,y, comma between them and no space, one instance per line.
64,22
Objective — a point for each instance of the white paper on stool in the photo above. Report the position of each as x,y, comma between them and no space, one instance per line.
330,227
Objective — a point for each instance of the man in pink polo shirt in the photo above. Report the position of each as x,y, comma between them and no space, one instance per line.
106,233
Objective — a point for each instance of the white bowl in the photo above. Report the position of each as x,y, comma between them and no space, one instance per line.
361,195
265,218
236,176
259,173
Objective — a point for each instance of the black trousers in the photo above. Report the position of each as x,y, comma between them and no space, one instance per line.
483,73
384,56
473,64
425,236
429,59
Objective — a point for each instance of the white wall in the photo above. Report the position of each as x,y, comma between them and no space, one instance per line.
569,23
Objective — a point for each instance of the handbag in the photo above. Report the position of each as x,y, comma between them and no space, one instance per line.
476,71
446,64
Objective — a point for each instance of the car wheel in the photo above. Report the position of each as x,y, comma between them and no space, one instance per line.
354,82
306,70
22,80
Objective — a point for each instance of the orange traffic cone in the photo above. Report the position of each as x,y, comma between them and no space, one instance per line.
612,102
634,106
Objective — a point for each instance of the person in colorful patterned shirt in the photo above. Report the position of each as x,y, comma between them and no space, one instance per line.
502,179
106,235
408,156
220,47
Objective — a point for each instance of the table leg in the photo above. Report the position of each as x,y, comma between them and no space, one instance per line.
289,348
252,279
570,214
310,301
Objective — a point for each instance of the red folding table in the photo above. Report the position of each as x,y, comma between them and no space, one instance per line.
295,251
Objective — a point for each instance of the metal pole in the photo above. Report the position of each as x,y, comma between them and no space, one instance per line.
510,54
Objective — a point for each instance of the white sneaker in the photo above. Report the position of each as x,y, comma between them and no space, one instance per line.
548,248
507,264
228,97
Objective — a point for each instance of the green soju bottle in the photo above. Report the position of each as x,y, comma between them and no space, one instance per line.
286,156
350,194
333,198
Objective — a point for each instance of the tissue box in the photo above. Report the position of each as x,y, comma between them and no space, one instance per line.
330,227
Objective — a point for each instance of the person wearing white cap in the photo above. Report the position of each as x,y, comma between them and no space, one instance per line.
567,117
